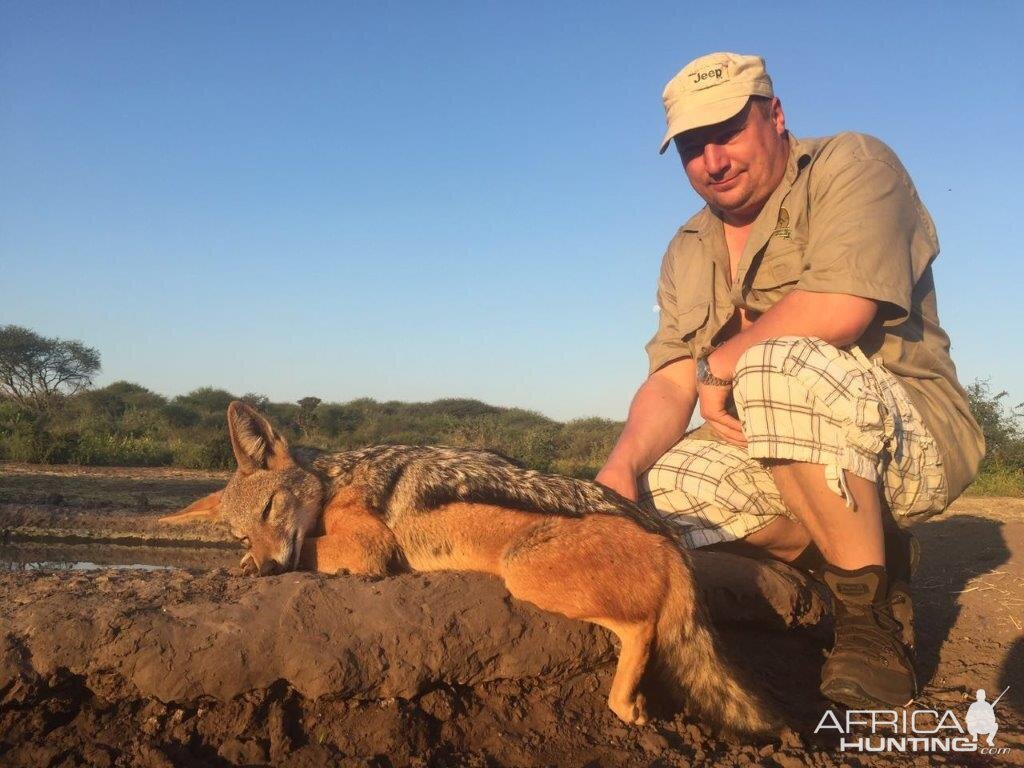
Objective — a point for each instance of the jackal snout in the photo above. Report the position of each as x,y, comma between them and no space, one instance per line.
250,566
271,548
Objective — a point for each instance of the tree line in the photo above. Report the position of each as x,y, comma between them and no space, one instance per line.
51,414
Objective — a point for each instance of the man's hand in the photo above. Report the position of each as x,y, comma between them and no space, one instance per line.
713,402
618,479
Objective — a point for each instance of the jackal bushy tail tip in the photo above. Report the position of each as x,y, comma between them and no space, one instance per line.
687,654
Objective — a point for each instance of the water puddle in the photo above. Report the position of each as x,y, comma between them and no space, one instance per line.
91,557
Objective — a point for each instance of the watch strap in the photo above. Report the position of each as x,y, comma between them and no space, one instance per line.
706,377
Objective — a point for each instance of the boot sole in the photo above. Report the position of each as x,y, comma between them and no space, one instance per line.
913,561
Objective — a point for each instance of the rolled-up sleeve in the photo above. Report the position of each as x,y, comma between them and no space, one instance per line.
667,343
870,235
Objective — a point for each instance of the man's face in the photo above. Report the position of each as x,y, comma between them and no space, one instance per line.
736,165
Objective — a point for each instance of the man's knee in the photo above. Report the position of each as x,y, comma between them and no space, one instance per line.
768,360
771,355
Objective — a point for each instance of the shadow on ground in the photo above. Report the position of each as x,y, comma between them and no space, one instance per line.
954,550
1012,675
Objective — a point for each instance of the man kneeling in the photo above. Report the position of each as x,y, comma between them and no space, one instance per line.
798,309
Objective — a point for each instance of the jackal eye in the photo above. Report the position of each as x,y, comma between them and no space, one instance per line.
265,514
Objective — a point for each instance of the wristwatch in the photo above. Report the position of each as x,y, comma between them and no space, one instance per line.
706,377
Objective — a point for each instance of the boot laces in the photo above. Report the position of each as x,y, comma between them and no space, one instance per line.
873,629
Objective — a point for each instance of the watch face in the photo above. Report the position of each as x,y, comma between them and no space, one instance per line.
702,370
704,375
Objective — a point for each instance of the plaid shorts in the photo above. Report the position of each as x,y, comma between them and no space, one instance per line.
799,399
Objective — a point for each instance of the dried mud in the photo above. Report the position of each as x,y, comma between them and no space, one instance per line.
205,667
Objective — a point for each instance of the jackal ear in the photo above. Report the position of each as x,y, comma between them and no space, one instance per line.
207,508
254,441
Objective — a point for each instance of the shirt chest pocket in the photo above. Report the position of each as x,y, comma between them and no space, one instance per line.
694,292
778,271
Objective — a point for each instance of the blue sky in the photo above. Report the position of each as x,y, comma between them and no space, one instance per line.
420,200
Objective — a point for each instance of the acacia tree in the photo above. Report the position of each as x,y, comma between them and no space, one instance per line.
306,419
35,370
256,400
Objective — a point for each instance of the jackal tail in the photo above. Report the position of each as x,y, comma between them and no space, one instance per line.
686,657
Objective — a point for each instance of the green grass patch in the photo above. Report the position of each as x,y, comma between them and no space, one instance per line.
998,481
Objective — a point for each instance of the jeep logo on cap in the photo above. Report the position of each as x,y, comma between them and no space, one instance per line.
717,73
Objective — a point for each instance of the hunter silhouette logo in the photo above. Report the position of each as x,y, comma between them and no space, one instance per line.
917,730
981,717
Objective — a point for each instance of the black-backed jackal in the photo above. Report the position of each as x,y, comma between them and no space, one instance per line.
568,546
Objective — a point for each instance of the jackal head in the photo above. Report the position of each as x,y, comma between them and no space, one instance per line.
270,504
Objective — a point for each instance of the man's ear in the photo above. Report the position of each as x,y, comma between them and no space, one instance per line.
207,508
254,441
778,117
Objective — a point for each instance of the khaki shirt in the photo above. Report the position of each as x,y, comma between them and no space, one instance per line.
845,219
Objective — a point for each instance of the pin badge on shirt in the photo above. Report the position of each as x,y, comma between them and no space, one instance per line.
782,225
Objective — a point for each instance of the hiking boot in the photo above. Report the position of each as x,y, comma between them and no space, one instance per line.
902,555
902,550
902,607
869,666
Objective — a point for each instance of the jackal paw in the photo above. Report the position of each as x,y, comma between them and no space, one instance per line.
632,712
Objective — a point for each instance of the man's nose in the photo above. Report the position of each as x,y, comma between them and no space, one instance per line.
716,161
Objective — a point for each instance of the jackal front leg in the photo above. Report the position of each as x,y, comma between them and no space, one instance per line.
341,554
355,540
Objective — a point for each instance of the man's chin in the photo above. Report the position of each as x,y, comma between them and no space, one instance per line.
730,202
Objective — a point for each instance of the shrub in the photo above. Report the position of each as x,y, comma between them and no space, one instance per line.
120,450
1001,424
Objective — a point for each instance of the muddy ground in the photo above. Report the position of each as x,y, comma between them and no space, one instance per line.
197,665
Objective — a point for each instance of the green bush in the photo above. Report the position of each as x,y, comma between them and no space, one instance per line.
1001,425
998,481
120,450
575,468
188,455
206,400
20,446
179,416
25,436
211,453
1002,470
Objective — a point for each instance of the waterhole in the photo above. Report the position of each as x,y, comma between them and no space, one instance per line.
94,556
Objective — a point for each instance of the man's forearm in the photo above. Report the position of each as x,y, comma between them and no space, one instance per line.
837,318
658,417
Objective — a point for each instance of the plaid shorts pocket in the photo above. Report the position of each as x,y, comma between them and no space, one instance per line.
800,399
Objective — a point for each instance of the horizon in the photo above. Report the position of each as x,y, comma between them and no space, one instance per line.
370,398
405,205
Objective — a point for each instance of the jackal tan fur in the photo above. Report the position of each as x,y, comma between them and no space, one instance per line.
568,546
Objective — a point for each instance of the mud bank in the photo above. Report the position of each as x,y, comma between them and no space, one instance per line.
181,668
203,667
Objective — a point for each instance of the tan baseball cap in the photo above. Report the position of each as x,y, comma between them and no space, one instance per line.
712,89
